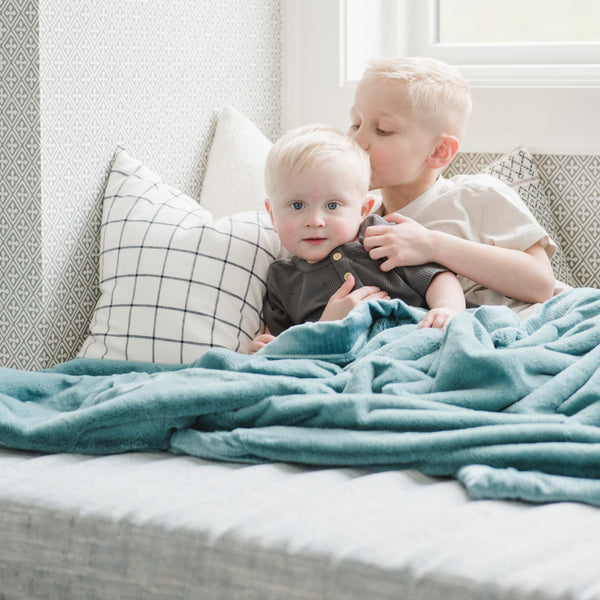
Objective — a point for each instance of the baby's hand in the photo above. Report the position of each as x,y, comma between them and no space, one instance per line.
260,341
438,317
344,300
406,244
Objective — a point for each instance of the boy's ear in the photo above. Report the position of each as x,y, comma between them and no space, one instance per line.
444,152
367,206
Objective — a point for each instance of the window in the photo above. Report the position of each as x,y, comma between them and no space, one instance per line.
504,42
518,22
547,107
368,28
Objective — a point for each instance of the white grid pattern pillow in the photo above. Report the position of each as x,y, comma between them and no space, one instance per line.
173,282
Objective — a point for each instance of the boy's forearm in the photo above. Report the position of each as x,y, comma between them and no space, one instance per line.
524,275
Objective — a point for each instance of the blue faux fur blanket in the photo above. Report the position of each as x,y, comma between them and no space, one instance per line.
510,408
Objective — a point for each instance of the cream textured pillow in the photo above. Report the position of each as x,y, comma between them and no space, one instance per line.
173,282
234,177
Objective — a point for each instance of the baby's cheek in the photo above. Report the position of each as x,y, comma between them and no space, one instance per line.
286,231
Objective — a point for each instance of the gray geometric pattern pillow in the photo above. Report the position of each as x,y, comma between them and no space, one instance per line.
518,170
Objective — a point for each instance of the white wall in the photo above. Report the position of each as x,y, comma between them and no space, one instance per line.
561,120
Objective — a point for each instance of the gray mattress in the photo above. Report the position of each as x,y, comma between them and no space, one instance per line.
163,526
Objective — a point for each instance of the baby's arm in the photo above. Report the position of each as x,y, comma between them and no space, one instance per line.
524,275
445,298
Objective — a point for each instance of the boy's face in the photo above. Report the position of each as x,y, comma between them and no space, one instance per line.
319,208
384,124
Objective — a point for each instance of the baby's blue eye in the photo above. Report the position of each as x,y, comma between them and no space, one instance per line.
297,205
332,205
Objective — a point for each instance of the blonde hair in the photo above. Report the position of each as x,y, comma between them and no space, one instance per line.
438,94
312,144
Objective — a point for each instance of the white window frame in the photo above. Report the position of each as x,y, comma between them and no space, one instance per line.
546,113
502,65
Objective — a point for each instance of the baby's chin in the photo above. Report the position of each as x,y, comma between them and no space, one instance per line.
316,255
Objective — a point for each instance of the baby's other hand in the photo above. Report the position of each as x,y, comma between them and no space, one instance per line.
438,317
260,341
344,300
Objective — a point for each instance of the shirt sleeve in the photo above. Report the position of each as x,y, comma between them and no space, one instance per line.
507,222
419,277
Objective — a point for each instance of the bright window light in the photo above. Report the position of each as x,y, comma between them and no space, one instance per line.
361,35
518,21
493,42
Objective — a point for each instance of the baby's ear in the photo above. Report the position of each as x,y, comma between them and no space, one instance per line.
270,212
444,152
367,205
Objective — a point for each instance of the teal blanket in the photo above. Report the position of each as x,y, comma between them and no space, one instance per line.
509,408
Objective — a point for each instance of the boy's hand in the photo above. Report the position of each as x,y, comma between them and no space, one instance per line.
438,317
405,245
344,300
260,341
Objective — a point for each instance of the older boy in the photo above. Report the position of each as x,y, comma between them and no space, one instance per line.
317,181
409,114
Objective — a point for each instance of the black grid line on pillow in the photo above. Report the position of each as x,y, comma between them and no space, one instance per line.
173,283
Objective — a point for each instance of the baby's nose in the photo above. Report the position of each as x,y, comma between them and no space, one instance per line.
315,219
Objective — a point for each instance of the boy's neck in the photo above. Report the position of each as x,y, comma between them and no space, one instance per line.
396,198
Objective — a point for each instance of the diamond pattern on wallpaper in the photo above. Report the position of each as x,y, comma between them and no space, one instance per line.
21,292
150,76
572,186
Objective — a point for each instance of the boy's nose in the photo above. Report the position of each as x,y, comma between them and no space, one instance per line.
360,138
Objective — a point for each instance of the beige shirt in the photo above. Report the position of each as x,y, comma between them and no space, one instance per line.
481,208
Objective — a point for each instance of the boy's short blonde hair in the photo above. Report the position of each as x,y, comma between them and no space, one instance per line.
310,144
438,94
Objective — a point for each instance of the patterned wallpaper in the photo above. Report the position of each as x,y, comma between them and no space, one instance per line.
80,78
572,185
21,301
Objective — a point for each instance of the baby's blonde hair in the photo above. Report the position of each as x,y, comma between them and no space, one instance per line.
438,94
311,144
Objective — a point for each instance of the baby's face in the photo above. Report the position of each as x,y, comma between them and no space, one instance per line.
319,208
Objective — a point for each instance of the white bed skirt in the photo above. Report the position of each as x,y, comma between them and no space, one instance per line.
161,526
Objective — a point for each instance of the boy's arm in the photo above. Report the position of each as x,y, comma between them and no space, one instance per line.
445,298
523,275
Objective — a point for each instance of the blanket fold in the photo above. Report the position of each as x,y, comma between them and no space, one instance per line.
510,408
